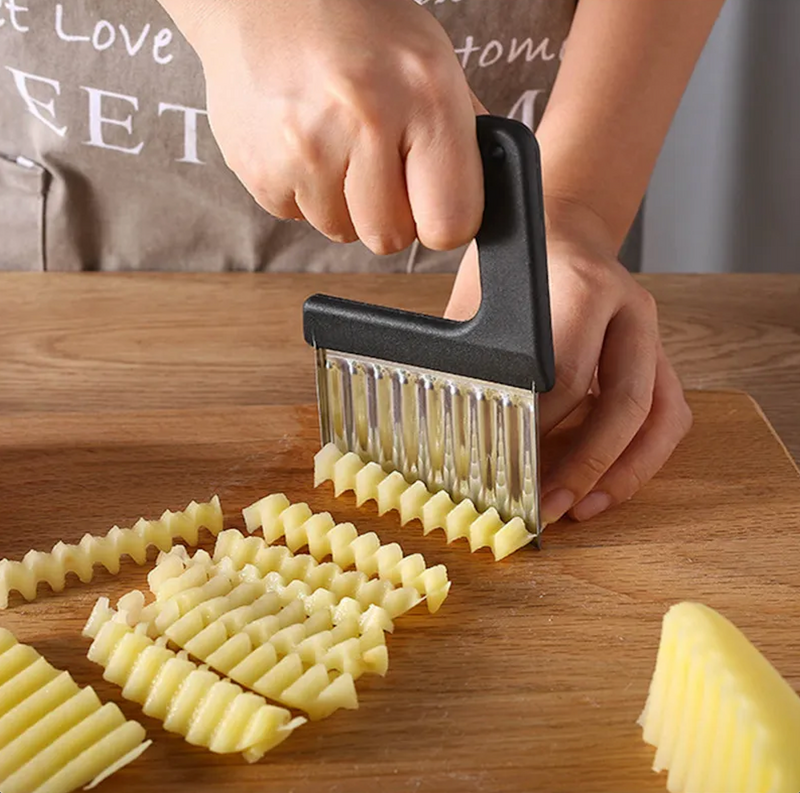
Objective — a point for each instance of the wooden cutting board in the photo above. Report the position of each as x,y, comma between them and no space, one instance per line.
533,673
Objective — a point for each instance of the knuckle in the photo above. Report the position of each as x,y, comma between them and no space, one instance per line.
441,239
687,417
345,237
633,479
436,237
335,230
682,418
279,211
281,208
591,280
371,125
385,245
268,187
596,275
636,402
277,203
354,105
647,305
248,168
676,411
446,233
603,276
300,147
427,69
586,287
570,382
592,466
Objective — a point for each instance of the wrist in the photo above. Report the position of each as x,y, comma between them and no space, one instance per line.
569,219
603,198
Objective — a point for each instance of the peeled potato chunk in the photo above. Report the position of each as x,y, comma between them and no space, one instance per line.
721,717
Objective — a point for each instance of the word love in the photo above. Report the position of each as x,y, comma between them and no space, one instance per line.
104,35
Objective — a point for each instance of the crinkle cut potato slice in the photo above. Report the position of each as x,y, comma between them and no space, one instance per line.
277,518
52,567
292,629
189,700
56,737
325,581
414,501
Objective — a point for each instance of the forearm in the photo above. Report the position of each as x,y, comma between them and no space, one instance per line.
626,66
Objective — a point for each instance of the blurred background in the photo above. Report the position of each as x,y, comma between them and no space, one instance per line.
725,196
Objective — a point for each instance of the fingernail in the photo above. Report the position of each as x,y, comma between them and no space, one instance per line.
556,504
592,505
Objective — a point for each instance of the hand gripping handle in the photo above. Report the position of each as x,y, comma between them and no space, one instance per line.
509,341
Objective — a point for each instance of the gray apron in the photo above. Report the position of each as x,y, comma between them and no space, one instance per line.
107,161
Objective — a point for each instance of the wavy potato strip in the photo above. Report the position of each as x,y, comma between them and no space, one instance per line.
277,517
435,511
189,700
193,579
248,562
81,559
395,598
56,737
299,646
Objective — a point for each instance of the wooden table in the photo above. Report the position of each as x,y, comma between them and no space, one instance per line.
532,675
105,342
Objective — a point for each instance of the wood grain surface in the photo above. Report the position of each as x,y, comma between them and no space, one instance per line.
533,673
132,342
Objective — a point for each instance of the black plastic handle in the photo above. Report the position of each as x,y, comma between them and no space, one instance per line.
509,340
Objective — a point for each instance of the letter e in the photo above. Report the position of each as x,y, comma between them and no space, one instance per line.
36,106
97,120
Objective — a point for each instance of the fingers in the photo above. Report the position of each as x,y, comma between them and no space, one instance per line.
383,186
626,373
375,191
376,180
444,179
298,175
436,195
324,207
320,191
669,420
279,204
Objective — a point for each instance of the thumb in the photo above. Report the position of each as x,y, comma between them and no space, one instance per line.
465,299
